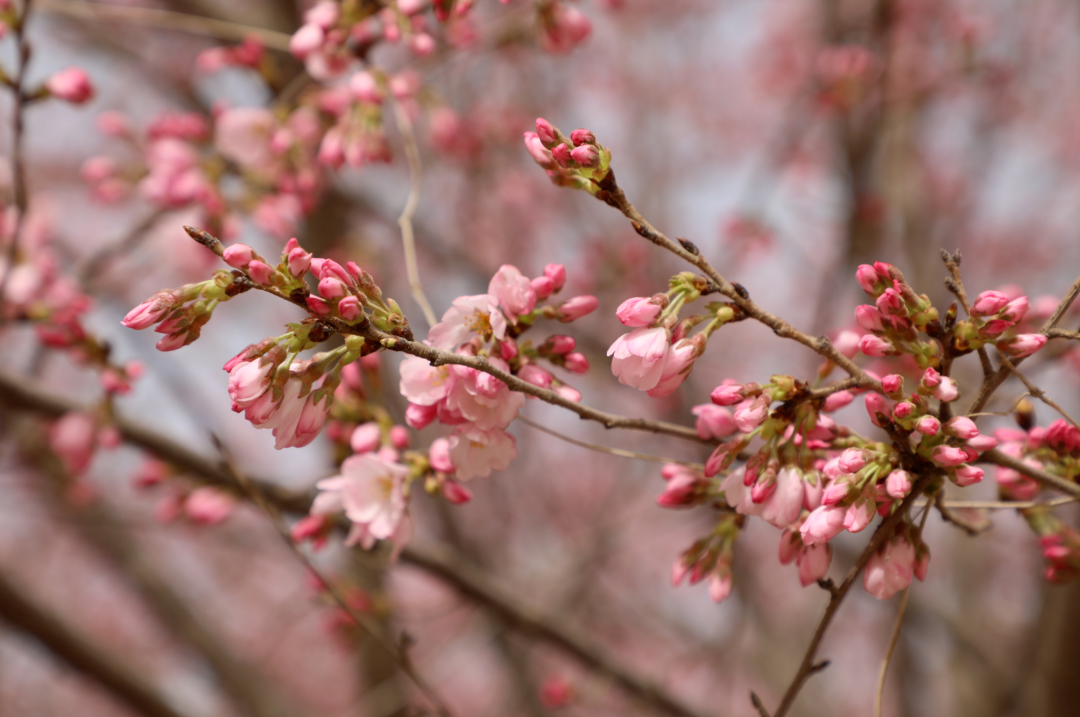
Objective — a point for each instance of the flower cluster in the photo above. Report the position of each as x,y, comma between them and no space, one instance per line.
897,316
478,405
576,161
993,316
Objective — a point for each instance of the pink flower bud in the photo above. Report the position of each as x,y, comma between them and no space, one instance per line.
561,344
713,421
535,375
837,400
814,563
540,154
260,273
858,516
995,327
836,492
422,44
852,460
318,305
1022,345
823,524
72,85
299,261
209,505
306,40
989,303
147,313
582,136
903,409
366,437
1016,310
439,456
869,318
867,277
508,349
962,427
847,343
238,255
931,378
967,475
875,346
948,456
456,493
928,426
790,546
586,155
568,392
418,416
557,274
546,132
638,312
577,307
576,362
331,288
172,342
893,384
399,437
877,404
898,484
561,153
719,585
727,395
982,443
947,390
349,309
543,287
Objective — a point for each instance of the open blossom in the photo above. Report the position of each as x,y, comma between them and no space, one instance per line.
467,317
475,452
638,357
296,420
512,291
678,363
890,569
482,399
370,490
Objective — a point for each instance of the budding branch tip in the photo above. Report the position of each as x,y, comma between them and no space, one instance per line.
207,239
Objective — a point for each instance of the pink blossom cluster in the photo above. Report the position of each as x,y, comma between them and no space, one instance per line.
898,314
181,313
993,317
577,161
248,54
479,406
372,492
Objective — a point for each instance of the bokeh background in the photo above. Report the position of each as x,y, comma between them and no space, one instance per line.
790,140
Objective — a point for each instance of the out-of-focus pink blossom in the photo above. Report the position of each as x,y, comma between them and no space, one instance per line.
208,505
72,439
837,400
713,421
876,404
890,569
439,456
366,437
475,452
874,346
1022,345
512,291
576,362
72,85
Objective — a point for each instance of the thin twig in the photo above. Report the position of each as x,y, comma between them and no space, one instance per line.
1063,334
167,20
18,161
949,516
416,181
606,449
1036,391
362,620
889,652
135,236
1049,480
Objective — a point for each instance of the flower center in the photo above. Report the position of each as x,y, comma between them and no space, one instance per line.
480,322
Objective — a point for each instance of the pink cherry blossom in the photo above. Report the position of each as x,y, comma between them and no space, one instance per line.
678,363
476,452
989,303
837,400
966,475
948,456
72,85
577,307
713,421
928,425
858,516
366,437
823,524
783,507
898,484
638,312
72,439
814,563
208,505
1022,345
248,380
947,390
468,317
962,427
638,357
512,291
370,490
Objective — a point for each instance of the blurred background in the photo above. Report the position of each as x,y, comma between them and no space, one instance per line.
790,140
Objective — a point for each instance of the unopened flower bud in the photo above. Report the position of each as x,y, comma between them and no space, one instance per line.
586,155
72,85
546,132
582,137
238,255
576,362
577,307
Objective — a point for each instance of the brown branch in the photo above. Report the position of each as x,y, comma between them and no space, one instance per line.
18,161
1063,334
1036,391
612,194
167,20
1037,474
947,514
74,648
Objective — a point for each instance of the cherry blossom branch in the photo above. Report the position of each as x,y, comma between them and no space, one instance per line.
364,328
19,393
947,514
606,449
992,383
1063,334
416,180
837,595
1037,392
167,20
132,688
613,195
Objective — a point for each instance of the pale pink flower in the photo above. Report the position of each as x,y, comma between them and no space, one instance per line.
890,569
737,495
72,438
752,413
847,343
814,563
418,416
678,363
468,317
713,421
242,134
296,420
638,312
513,292
683,487
439,456
371,491
638,357
482,399
719,584
858,516
852,460
421,383
1022,345
823,524
208,505
72,85
475,452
